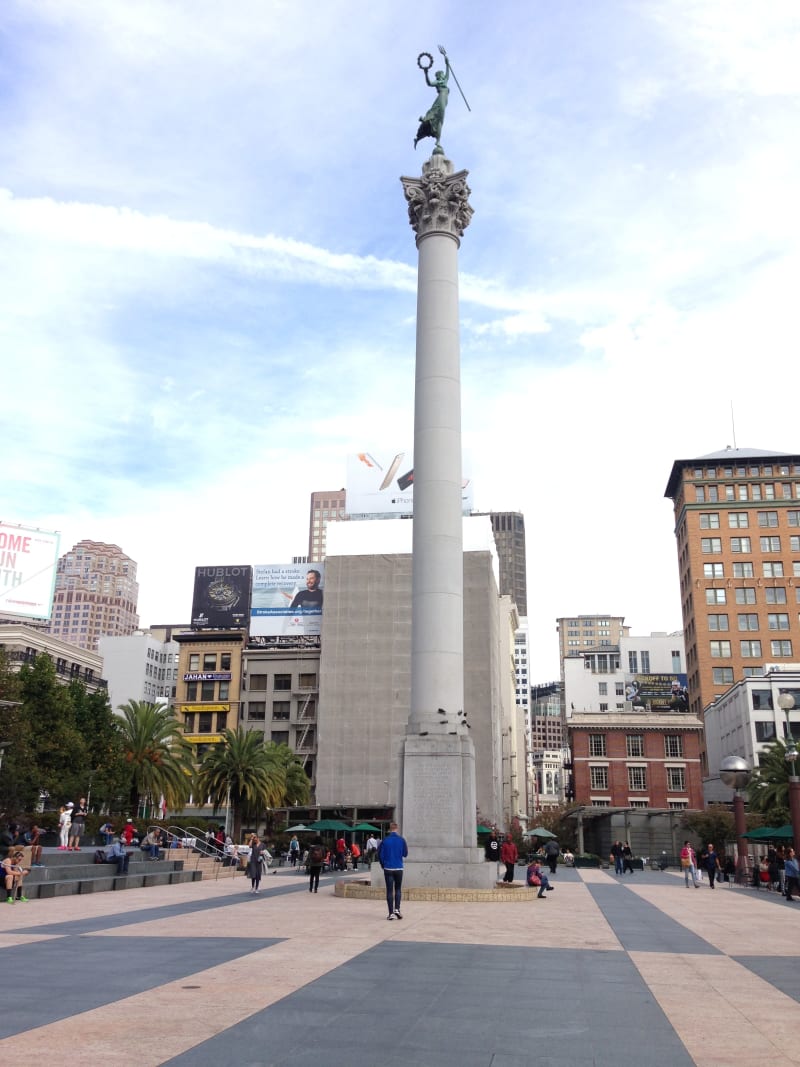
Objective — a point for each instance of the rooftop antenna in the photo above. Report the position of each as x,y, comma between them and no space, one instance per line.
733,425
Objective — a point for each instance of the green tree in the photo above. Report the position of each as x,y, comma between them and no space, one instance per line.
58,756
254,775
158,756
715,825
108,775
768,788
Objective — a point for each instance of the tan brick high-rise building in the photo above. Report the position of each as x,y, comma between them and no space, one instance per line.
737,525
96,594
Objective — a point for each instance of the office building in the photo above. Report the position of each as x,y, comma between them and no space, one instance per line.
21,645
326,506
596,680
96,594
142,666
637,760
508,528
209,684
737,528
580,632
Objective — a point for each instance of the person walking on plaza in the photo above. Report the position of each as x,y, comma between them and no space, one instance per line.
509,855
791,871
552,851
78,827
341,854
616,856
711,864
316,859
689,865
294,850
255,863
64,823
627,858
371,850
391,853
355,854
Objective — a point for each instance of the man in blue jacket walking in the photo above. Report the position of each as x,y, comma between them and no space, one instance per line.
391,853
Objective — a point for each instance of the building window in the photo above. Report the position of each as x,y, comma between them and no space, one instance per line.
194,661
720,649
257,683
775,594
282,682
602,689
738,520
762,699
676,660
794,544
598,777
601,803
678,805
673,746
716,596
718,622
777,620
225,661
597,744
713,570
765,731
191,691
747,621
743,570
204,722
709,521
209,661
604,706
770,544
645,662
638,803
619,689
746,594
188,722
781,649
207,691
740,544
307,681
637,778
772,570
224,691
713,493
280,709
767,518
750,649
257,711
723,675
711,545
633,663
793,517
676,779
634,746
280,737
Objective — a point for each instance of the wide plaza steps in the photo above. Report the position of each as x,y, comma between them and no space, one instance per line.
67,873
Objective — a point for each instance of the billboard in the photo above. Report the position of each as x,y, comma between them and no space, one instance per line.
221,597
27,570
383,483
661,692
287,600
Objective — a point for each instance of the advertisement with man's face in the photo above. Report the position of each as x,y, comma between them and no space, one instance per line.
382,483
221,597
287,600
659,692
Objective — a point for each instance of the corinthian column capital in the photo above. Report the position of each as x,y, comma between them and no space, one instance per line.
438,201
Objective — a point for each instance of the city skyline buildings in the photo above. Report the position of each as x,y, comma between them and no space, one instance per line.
96,594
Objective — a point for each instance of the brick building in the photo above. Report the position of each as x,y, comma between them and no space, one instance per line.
637,760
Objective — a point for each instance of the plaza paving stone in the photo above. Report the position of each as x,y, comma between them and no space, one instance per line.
625,972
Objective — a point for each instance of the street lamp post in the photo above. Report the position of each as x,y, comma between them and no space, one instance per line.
786,703
735,773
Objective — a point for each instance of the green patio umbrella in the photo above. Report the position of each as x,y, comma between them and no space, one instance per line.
296,829
484,829
329,824
539,831
760,833
367,827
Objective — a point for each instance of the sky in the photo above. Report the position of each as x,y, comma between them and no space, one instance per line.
207,275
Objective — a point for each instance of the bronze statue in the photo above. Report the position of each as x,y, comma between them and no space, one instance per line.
430,124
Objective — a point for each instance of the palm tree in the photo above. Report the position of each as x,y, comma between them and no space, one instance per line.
768,788
159,756
253,775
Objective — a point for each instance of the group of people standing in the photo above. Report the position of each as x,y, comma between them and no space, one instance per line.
622,857
72,825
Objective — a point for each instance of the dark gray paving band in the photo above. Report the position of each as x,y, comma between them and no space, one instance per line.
75,974
642,927
782,972
425,1005
169,911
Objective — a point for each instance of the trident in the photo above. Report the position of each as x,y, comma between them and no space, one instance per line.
455,79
